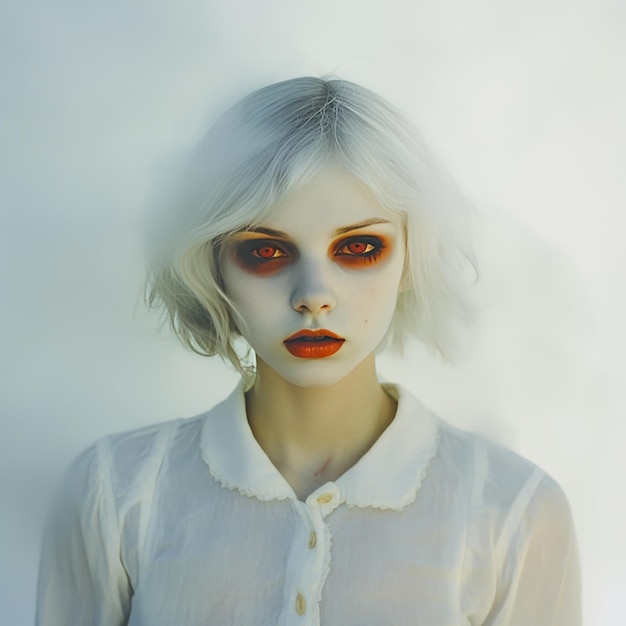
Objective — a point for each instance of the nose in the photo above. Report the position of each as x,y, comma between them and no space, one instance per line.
312,292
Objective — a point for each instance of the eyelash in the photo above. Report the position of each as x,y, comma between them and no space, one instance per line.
369,256
248,252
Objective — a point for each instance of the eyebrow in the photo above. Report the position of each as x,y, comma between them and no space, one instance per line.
339,231
363,224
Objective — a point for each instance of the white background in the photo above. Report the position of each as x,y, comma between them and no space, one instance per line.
523,101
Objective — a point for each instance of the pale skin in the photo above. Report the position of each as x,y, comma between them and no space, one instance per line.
311,435
316,417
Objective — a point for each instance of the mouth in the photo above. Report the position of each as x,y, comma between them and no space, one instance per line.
313,344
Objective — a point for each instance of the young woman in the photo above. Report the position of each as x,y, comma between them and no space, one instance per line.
313,223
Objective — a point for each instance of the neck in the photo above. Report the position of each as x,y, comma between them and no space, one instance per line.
314,435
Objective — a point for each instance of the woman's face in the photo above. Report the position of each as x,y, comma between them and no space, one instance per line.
317,282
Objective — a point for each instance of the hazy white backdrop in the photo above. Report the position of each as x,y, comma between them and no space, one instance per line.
523,101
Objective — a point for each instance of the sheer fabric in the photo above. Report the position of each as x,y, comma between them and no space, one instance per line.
188,522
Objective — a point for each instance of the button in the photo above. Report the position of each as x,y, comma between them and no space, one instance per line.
325,498
300,604
312,540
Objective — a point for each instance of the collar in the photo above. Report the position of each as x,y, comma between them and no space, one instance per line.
387,476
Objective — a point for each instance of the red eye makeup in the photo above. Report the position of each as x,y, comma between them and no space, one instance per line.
265,256
261,255
361,249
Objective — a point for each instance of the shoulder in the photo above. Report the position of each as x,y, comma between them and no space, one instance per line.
494,471
468,467
122,466
504,491
520,539
520,556
125,466
134,449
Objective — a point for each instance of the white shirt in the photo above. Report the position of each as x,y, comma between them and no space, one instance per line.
188,523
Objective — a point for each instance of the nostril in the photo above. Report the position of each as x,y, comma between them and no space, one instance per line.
313,304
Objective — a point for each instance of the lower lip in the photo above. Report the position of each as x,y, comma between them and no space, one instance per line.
317,349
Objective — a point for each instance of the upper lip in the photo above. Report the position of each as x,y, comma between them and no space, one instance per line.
321,332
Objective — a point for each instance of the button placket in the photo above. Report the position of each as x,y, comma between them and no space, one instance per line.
307,567
305,571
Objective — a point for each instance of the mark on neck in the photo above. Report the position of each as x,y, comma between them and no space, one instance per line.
324,467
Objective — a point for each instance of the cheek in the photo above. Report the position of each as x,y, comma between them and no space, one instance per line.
238,284
374,302
255,299
238,292
380,302
381,285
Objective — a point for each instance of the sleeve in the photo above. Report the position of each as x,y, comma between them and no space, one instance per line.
539,580
82,581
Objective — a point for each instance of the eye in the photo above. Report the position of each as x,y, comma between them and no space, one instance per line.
362,249
267,252
356,248
260,255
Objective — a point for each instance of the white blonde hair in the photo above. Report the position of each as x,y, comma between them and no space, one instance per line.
270,142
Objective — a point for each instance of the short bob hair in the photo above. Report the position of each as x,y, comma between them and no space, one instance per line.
266,145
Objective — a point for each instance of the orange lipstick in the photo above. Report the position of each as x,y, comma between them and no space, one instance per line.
313,344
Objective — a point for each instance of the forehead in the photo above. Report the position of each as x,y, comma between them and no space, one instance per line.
333,198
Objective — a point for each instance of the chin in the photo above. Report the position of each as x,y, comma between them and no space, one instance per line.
315,373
